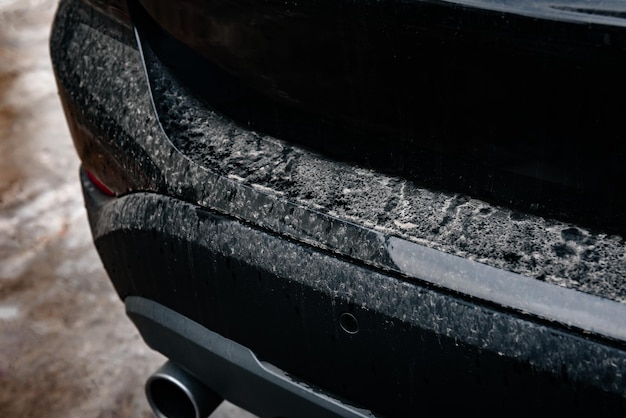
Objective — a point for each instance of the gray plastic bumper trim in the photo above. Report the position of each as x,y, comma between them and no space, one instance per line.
230,369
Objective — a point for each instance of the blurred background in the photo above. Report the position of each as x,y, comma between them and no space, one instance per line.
67,348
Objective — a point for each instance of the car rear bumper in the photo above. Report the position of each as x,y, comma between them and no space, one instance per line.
322,286
197,272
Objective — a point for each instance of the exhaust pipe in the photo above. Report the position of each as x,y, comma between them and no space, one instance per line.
174,393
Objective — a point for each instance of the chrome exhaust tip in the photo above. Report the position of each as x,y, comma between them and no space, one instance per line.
174,393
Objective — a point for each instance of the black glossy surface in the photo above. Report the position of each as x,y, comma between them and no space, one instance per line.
256,227
518,103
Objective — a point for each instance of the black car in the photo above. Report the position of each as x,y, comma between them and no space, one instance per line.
359,208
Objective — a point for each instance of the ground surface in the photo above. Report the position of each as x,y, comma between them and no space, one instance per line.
66,347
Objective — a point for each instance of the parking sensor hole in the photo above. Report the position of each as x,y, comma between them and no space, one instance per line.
349,323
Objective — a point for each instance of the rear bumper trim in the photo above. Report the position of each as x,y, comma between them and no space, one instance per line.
229,368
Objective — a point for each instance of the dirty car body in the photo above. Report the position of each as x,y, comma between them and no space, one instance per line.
358,208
